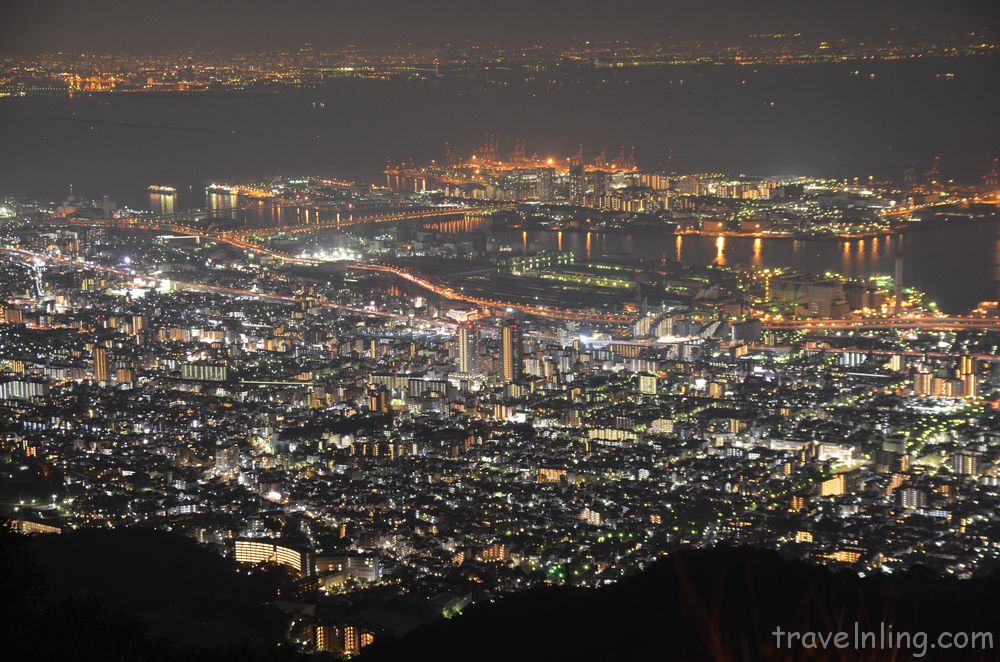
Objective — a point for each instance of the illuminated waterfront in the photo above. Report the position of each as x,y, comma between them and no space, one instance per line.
968,254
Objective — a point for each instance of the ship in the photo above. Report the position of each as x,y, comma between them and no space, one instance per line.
245,191
159,188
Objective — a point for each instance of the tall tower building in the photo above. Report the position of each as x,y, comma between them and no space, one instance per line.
601,179
468,348
967,374
922,382
511,351
102,365
546,185
378,400
898,280
577,184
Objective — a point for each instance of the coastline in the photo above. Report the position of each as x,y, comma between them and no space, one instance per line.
908,227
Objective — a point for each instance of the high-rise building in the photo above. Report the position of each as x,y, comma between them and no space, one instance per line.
468,348
922,382
946,388
835,486
13,314
378,400
601,180
546,185
965,463
967,375
577,184
898,281
102,365
265,551
345,638
495,553
970,386
22,390
205,372
966,365
511,351
227,458
642,327
912,498
897,363
125,375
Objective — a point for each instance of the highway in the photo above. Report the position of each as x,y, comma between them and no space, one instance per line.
237,240
448,292
153,225
930,323
299,228
927,323
218,289
444,326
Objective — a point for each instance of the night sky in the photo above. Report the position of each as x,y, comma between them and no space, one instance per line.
144,25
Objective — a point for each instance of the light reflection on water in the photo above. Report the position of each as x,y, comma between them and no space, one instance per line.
957,264
162,203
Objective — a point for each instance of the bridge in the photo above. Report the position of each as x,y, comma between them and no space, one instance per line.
963,203
242,238
340,221
351,220
157,225
179,219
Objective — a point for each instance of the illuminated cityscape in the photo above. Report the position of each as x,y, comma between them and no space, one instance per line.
75,72
382,400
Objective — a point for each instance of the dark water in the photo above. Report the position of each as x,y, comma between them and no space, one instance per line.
957,265
835,120
828,120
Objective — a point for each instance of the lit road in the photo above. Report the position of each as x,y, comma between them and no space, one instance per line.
153,225
447,325
448,292
300,228
443,326
235,239
931,323
238,238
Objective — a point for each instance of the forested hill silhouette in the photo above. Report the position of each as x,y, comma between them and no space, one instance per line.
131,594
160,596
721,604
